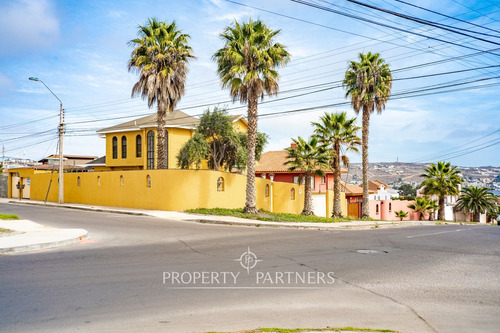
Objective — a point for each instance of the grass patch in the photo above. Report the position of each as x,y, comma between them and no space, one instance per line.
4,230
268,216
329,329
8,217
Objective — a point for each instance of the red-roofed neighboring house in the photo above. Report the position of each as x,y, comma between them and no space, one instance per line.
272,163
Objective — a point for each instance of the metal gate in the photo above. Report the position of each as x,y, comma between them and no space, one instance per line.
319,204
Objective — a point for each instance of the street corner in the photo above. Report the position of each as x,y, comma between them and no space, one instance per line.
29,236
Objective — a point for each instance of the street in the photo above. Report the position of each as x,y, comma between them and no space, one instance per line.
443,278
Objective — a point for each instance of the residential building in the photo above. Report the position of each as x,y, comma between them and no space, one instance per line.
272,165
132,145
380,191
68,160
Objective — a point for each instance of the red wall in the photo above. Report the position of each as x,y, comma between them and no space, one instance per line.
288,178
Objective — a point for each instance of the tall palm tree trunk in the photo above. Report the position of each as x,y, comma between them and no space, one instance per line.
307,195
337,207
476,216
441,208
366,124
160,144
250,206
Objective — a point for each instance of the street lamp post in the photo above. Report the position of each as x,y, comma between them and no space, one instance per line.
61,136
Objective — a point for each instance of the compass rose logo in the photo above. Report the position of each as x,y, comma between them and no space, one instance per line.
248,260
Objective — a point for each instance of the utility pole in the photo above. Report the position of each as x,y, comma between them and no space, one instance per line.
3,157
61,158
61,139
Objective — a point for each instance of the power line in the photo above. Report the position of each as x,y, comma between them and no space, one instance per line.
359,18
447,16
427,22
446,155
463,145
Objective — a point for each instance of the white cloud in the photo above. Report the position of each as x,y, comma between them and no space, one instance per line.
6,84
232,16
27,25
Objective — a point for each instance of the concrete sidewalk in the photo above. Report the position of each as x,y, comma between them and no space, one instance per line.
228,220
30,236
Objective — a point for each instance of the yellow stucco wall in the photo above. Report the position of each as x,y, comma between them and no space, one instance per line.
282,201
240,126
131,159
329,203
177,138
170,190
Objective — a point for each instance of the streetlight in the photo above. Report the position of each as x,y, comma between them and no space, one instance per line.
61,134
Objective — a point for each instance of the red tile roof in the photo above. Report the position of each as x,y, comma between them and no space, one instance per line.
274,161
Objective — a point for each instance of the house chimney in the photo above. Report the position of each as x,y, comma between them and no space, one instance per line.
293,145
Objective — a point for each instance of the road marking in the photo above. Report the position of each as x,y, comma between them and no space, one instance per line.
441,232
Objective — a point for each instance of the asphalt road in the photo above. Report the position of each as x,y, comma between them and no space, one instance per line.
420,279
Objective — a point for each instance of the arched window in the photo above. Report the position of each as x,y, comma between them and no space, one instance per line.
390,206
220,184
124,146
122,181
266,192
78,181
148,181
376,209
151,150
138,146
115,147
98,180
292,194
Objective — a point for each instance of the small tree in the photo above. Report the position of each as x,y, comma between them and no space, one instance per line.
432,207
420,205
309,157
493,213
401,214
407,190
441,179
339,134
217,142
476,200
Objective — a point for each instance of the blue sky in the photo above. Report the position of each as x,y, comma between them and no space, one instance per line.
79,49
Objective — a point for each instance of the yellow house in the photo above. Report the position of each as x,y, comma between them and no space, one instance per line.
132,144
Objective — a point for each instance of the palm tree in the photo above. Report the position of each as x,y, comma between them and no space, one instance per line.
247,66
432,208
420,205
401,214
368,83
337,133
441,180
476,200
160,56
493,214
309,157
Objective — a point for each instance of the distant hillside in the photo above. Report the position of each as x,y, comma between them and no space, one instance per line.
395,174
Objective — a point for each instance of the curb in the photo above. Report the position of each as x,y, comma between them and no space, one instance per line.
46,245
197,218
332,226
92,209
